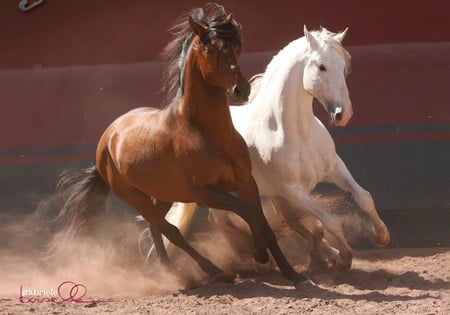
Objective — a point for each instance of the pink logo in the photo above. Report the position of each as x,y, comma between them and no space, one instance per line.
68,291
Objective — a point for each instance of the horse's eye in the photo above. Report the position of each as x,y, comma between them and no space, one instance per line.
322,67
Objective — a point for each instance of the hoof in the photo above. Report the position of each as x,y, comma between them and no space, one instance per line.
223,277
317,264
343,264
304,284
262,268
381,240
190,284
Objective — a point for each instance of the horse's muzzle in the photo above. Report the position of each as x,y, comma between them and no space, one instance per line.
339,117
240,92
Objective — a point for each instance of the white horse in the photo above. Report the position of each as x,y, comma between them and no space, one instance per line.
290,148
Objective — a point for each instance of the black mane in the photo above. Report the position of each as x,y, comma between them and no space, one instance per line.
175,53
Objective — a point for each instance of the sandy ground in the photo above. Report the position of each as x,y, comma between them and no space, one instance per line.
381,281
388,281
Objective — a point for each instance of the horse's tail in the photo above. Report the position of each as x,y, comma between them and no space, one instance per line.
84,195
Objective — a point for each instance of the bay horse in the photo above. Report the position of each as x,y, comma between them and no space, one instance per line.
292,151
187,151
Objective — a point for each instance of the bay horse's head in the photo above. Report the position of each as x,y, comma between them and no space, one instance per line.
217,46
326,67
211,38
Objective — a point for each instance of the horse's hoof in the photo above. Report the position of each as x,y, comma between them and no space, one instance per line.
262,268
317,264
304,284
381,240
191,284
343,264
223,277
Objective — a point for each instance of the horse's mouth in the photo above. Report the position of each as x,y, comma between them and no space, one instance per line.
239,94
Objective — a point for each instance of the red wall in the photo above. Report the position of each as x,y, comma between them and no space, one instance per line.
69,67
74,32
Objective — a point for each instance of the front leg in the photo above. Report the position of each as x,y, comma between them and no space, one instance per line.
319,250
344,180
300,199
260,228
248,207
238,237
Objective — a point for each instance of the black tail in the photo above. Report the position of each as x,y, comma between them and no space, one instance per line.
84,193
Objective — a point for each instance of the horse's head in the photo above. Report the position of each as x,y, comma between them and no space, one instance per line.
218,46
326,67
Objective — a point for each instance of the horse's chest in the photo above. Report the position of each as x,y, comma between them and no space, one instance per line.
311,166
302,165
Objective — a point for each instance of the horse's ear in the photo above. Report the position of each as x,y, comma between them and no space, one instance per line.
228,19
312,42
198,28
340,36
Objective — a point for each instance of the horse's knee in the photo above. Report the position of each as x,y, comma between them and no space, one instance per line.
364,200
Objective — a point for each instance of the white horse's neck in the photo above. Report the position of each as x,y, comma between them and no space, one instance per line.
281,101
294,105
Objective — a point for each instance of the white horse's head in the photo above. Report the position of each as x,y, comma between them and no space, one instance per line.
326,66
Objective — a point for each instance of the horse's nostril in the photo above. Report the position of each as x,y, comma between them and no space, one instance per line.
337,115
237,92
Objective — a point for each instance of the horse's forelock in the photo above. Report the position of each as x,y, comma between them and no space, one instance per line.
174,55
327,37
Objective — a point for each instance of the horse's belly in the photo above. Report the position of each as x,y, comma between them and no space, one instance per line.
161,178
168,178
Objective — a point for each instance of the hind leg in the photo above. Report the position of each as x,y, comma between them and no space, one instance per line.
155,232
154,212
158,225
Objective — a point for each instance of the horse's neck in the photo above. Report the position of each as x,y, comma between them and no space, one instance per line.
204,105
284,103
296,106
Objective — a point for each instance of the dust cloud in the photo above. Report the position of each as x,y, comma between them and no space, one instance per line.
107,263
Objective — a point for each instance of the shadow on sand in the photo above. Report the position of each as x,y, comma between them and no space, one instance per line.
273,285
